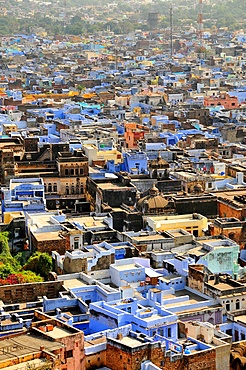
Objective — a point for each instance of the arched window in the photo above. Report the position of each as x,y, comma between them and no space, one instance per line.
237,304
228,306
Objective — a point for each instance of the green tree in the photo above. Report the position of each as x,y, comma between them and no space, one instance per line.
40,263
30,277
6,269
11,268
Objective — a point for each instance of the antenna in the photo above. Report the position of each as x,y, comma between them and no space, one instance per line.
171,32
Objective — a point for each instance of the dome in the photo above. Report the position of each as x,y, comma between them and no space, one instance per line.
154,190
157,202
198,188
152,204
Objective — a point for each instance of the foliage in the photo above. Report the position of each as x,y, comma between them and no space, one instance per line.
30,277
55,20
11,267
21,278
40,263
22,257
6,269
5,256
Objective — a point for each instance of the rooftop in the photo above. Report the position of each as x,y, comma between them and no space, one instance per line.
24,345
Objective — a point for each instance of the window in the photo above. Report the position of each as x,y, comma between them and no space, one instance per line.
195,233
237,304
228,306
66,171
76,171
169,332
55,188
76,245
71,171
49,188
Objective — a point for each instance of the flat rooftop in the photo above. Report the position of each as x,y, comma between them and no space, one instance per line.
50,235
16,183
24,345
58,333
130,342
129,267
112,186
149,237
93,342
221,286
74,283
193,296
229,195
41,219
38,363
241,318
88,221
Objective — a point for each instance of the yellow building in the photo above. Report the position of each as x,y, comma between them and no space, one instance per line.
193,223
9,216
94,155
7,128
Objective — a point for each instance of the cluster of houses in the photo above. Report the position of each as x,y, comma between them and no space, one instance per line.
127,166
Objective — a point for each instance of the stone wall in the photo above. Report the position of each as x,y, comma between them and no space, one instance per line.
196,278
127,358
29,292
48,246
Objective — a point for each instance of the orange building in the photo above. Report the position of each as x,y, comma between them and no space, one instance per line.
228,102
133,133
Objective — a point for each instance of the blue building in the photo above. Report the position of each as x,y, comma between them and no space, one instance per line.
148,320
25,195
